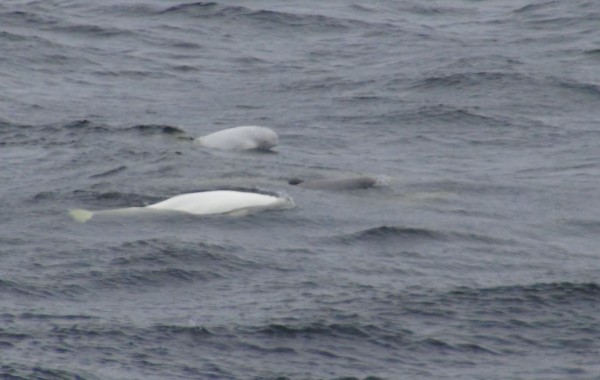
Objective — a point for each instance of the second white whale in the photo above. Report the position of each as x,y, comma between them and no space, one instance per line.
240,138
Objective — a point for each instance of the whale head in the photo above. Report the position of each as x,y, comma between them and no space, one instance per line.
241,138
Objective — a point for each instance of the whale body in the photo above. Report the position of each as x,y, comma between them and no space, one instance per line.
240,138
227,202
354,183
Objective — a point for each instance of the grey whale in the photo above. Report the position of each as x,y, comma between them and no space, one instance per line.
353,183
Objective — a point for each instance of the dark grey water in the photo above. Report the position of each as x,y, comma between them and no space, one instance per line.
475,257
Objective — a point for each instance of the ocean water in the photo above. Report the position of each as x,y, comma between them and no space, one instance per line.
476,255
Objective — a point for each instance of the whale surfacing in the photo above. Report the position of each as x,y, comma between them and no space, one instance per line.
354,183
225,202
240,138
217,202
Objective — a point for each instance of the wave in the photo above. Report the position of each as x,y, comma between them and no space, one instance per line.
533,295
496,320
457,126
8,36
557,14
92,31
408,344
200,8
510,86
314,330
584,226
141,279
449,114
592,52
140,264
110,172
537,7
54,317
115,276
9,287
30,18
556,315
137,266
22,371
171,331
78,131
386,233
40,291
38,18
161,252
266,18
470,79
439,10
586,89
430,118
395,232
51,134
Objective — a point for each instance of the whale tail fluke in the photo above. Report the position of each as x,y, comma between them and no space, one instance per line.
81,215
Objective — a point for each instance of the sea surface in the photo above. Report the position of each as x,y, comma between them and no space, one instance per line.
475,256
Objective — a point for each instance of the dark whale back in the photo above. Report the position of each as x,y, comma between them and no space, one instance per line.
336,184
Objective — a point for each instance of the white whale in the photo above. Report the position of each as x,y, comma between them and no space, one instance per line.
240,138
226,202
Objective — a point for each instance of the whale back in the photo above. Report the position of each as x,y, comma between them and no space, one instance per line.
220,202
224,202
354,183
241,138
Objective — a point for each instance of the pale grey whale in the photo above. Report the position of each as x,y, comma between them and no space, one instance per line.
240,138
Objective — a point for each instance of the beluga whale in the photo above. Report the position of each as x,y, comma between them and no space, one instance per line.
216,202
249,137
351,183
